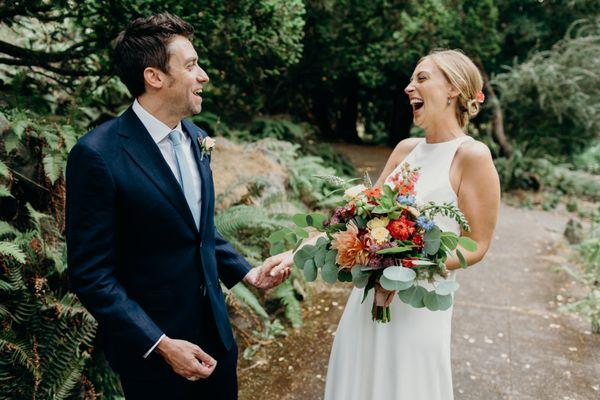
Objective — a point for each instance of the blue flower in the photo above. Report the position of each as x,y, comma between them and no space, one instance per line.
425,223
406,200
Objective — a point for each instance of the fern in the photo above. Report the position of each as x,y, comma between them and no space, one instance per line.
12,250
242,293
286,294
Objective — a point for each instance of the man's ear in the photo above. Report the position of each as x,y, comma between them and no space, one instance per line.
154,77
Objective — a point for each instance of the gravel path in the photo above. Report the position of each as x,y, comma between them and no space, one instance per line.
508,341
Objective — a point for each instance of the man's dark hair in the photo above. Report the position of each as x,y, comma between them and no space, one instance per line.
144,44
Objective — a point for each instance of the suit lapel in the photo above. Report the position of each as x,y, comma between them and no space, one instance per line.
145,153
196,134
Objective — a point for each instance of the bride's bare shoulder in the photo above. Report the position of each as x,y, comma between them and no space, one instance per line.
403,148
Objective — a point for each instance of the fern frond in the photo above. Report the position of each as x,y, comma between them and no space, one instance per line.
10,249
245,295
287,295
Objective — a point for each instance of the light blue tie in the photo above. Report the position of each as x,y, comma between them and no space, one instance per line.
185,177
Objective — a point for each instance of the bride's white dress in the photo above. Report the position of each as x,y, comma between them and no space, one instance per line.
409,357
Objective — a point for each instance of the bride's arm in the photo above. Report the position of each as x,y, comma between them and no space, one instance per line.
478,199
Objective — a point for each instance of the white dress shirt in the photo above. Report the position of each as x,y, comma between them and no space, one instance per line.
160,134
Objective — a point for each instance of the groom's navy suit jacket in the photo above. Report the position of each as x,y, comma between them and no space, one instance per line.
136,259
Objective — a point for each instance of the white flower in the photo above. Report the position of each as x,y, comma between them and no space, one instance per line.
380,235
378,223
207,144
354,192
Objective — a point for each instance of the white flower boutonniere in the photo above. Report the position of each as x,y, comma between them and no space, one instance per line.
207,144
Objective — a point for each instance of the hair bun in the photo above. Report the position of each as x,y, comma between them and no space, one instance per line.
472,108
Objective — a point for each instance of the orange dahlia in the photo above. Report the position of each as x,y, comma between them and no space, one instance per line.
351,250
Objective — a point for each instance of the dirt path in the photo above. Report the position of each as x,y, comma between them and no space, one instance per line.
508,341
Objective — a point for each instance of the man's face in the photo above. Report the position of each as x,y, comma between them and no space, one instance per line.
185,78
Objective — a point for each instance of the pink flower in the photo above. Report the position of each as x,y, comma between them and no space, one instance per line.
480,97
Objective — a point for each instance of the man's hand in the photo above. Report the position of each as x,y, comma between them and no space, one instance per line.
186,359
270,274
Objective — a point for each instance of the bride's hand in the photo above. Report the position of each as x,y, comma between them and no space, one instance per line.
383,297
280,264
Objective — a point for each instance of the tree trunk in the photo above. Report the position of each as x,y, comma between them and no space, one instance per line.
401,119
497,118
346,124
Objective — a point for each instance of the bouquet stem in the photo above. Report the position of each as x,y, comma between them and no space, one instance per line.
381,314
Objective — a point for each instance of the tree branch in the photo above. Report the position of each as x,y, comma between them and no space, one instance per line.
62,71
42,56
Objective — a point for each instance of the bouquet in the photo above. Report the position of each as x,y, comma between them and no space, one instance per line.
381,236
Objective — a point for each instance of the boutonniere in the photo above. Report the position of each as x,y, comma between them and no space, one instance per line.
207,144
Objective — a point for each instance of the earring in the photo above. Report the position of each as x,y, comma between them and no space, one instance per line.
449,101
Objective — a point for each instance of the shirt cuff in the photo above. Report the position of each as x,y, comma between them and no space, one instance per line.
155,344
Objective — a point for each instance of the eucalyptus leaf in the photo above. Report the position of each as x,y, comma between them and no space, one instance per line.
446,287
301,233
317,220
300,220
449,242
310,270
320,256
329,273
359,278
331,256
344,275
413,296
399,273
389,284
432,240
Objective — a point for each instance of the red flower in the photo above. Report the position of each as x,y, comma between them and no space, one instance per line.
418,240
401,228
374,192
407,262
480,97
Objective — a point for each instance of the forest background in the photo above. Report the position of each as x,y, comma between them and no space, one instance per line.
287,78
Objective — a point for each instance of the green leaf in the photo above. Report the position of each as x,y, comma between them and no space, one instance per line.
5,191
4,171
52,167
467,243
461,259
389,284
359,278
317,220
399,273
301,233
449,242
300,220
331,256
435,302
413,296
344,275
395,250
305,253
11,142
320,256
242,293
12,250
432,240
446,287
277,235
329,273
310,270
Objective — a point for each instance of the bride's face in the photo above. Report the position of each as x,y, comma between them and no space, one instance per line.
428,93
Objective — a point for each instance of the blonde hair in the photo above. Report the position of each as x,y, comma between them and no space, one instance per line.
460,72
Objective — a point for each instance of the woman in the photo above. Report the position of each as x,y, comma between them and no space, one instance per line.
409,357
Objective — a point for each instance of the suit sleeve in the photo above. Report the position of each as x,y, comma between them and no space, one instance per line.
90,231
231,266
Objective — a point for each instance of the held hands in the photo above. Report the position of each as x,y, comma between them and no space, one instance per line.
274,270
186,359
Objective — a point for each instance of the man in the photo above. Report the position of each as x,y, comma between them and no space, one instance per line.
144,255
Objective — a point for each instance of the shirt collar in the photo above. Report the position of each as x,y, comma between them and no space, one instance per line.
157,129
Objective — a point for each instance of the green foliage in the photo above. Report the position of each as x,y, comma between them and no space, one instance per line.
588,254
552,100
523,172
